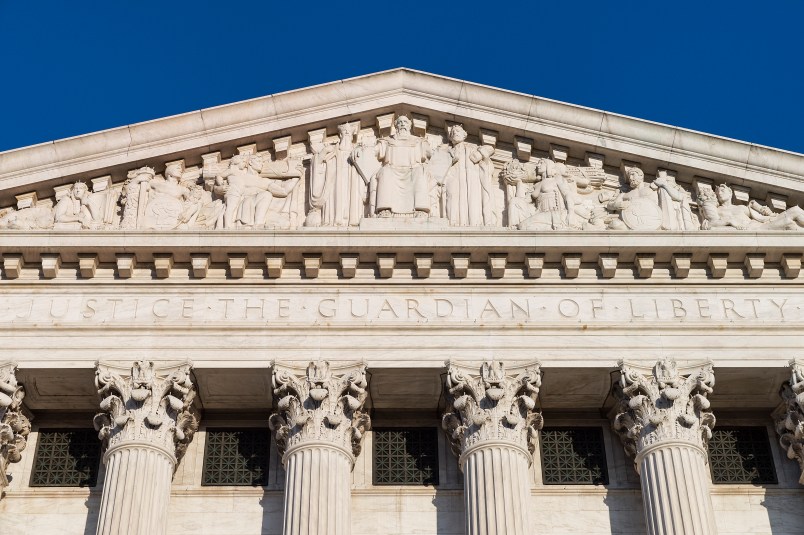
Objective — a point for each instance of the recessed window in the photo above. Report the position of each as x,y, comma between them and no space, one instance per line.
741,455
406,456
236,457
66,458
573,456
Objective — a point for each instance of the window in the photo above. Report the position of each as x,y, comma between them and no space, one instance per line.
573,456
236,457
406,456
741,455
66,458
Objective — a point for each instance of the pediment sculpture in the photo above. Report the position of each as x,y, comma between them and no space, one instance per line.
404,171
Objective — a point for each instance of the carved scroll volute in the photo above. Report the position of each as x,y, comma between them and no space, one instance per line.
146,405
492,405
320,404
14,425
664,405
789,417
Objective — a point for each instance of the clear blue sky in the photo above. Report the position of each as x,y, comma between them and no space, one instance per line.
734,69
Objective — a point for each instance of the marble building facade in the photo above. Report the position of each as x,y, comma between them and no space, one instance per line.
401,304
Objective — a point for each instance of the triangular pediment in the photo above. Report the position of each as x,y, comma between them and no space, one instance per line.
332,156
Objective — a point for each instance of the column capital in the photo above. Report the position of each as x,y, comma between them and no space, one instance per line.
663,405
146,405
789,417
14,425
492,405
320,404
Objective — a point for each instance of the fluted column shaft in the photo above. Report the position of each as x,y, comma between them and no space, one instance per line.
665,421
496,490
146,422
318,427
317,491
675,491
492,426
136,491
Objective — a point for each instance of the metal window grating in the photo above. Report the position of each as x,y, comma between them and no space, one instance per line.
741,455
66,458
406,456
573,456
236,457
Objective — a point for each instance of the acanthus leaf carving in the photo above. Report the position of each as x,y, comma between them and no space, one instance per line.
14,425
492,405
320,404
664,405
789,417
146,405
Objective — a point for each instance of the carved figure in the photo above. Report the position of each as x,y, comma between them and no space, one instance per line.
200,210
637,208
151,202
520,185
80,208
674,203
719,212
402,181
468,184
337,188
14,425
554,199
255,190
37,217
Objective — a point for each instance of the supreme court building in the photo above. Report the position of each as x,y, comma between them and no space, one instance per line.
401,304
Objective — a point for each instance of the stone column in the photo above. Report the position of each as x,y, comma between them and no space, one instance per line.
14,425
492,428
789,417
146,422
664,421
318,426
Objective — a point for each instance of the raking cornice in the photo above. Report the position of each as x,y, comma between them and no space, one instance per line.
526,115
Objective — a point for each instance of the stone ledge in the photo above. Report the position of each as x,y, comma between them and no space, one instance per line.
471,256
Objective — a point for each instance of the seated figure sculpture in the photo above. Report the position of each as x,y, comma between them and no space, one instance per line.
249,187
78,209
402,181
638,208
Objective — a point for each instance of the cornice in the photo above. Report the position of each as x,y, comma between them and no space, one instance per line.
522,114
774,254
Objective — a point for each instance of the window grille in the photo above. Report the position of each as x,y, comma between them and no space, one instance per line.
741,455
573,456
66,458
236,457
406,456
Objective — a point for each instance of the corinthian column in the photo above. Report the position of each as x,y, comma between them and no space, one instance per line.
146,424
789,416
492,427
318,427
664,421
14,426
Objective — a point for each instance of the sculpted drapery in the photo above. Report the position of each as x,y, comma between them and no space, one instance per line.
391,169
402,181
